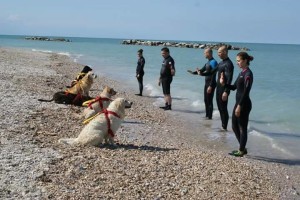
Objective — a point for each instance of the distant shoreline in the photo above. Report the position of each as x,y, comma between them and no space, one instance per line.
194,45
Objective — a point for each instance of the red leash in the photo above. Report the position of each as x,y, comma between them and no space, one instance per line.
100,100
106,113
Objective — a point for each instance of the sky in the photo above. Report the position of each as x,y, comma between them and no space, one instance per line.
254,21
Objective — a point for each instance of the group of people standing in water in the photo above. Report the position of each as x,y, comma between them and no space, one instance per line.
218,76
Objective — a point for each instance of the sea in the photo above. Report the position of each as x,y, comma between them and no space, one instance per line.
274,126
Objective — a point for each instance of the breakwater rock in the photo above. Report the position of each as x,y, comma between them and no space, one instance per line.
47,39
182,44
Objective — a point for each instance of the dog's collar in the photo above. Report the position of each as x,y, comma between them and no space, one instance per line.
100,100
106,113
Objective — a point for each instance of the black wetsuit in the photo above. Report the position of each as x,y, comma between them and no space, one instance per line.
226,67
140,72
209,71
165,74
243,85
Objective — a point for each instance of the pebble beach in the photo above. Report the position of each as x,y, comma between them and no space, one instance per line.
154,158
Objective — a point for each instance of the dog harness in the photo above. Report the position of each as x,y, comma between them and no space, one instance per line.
106,113
77,97
100,100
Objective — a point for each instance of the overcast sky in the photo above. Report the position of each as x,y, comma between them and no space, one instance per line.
257,21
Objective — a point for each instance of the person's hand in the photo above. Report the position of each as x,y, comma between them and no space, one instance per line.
198,71
222,81
224,96
237,111
209,89
137,75
159,81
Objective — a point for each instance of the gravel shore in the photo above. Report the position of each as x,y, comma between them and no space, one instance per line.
154,158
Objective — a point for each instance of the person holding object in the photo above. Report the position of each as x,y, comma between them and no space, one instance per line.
209,71
140,71
243,105
166,76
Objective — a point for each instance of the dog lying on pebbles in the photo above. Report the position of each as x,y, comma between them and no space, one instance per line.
77,94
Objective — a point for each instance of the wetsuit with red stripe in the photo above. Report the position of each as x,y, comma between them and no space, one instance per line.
243,86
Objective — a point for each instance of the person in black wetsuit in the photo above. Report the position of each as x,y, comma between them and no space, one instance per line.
80,75
210,81
140,70
166,76
243,105
222,93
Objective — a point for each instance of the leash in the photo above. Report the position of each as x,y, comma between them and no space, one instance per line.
100,100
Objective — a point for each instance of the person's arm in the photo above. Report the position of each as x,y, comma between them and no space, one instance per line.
247,87
226,85
192,72
228,74
231,87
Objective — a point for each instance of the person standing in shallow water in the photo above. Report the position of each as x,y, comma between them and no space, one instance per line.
222,93
166,76
209,71
243,104
140,71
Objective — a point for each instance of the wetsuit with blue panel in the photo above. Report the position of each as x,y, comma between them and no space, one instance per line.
209,71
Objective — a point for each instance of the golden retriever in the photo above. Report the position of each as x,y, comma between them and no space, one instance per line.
99,103
103,127
77,94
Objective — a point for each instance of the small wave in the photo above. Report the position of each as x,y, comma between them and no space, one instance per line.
197,103
153,91
273,143
76,57
44,51
64,54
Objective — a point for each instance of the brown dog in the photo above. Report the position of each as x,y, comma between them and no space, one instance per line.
99,103
77,94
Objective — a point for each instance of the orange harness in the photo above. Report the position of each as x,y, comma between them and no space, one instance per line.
100,100
106,113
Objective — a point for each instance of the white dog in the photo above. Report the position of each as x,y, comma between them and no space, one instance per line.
103,127
99,103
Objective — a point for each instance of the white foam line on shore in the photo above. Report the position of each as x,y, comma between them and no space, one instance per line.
273,143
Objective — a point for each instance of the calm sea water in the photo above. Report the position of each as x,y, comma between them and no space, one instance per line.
274,127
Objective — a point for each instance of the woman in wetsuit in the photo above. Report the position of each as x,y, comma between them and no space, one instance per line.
140,70
243,105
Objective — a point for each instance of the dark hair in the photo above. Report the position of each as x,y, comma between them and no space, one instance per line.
165,49
86,69
140,51
245,56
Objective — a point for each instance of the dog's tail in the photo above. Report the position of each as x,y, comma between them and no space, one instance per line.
70,141
46,100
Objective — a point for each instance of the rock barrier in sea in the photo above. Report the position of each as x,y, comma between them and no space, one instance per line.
182,44
47,39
